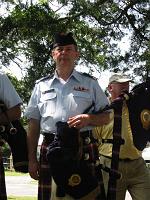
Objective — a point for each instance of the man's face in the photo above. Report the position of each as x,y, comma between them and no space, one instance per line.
65,55
117,88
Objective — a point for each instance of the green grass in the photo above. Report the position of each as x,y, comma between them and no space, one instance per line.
21,198
13,173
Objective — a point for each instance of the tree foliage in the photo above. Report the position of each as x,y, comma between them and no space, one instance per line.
19,86
6,150
27,29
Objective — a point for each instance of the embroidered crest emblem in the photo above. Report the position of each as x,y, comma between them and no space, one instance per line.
74,180
145,118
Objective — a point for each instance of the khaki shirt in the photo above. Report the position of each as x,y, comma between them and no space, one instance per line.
127,150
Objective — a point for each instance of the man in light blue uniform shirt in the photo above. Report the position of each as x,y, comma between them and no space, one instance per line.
12,101
56,100
9,96
64,97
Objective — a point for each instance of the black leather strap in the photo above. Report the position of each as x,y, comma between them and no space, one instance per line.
111,195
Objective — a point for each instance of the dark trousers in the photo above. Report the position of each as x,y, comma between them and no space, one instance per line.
3,195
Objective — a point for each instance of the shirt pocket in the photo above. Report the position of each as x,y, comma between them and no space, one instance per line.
82,99
47,105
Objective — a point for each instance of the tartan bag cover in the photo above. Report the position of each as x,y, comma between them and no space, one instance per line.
73,170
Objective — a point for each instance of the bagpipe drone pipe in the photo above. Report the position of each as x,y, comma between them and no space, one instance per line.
16,137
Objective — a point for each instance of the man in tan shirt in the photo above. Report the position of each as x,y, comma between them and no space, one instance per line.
135,175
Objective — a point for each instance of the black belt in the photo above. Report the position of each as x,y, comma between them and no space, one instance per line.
83,133
49,137
120,159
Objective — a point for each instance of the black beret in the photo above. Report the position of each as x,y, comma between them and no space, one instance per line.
62,39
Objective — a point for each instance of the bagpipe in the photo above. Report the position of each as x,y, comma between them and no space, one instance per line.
70,169
139,113
65,154
15,135
138,103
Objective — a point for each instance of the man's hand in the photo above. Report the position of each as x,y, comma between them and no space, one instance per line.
83,120
79,121
34,169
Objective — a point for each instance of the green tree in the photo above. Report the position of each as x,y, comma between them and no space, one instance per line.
19,85
6,150
27,29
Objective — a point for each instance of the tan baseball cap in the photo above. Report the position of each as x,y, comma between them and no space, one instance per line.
119,78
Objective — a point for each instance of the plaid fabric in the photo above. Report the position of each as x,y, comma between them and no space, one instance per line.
91,156
3,195
44,185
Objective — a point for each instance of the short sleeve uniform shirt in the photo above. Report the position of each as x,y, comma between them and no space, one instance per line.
8,94
53,100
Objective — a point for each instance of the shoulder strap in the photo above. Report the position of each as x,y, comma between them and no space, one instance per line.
44,78
88,75
117,142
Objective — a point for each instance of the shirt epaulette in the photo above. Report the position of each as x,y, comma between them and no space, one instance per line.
44,78
88,75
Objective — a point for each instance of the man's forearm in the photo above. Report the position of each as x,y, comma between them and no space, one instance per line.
99,119
83,120
32,139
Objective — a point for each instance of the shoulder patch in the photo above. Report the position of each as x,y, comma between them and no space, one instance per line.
88,75
44,78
